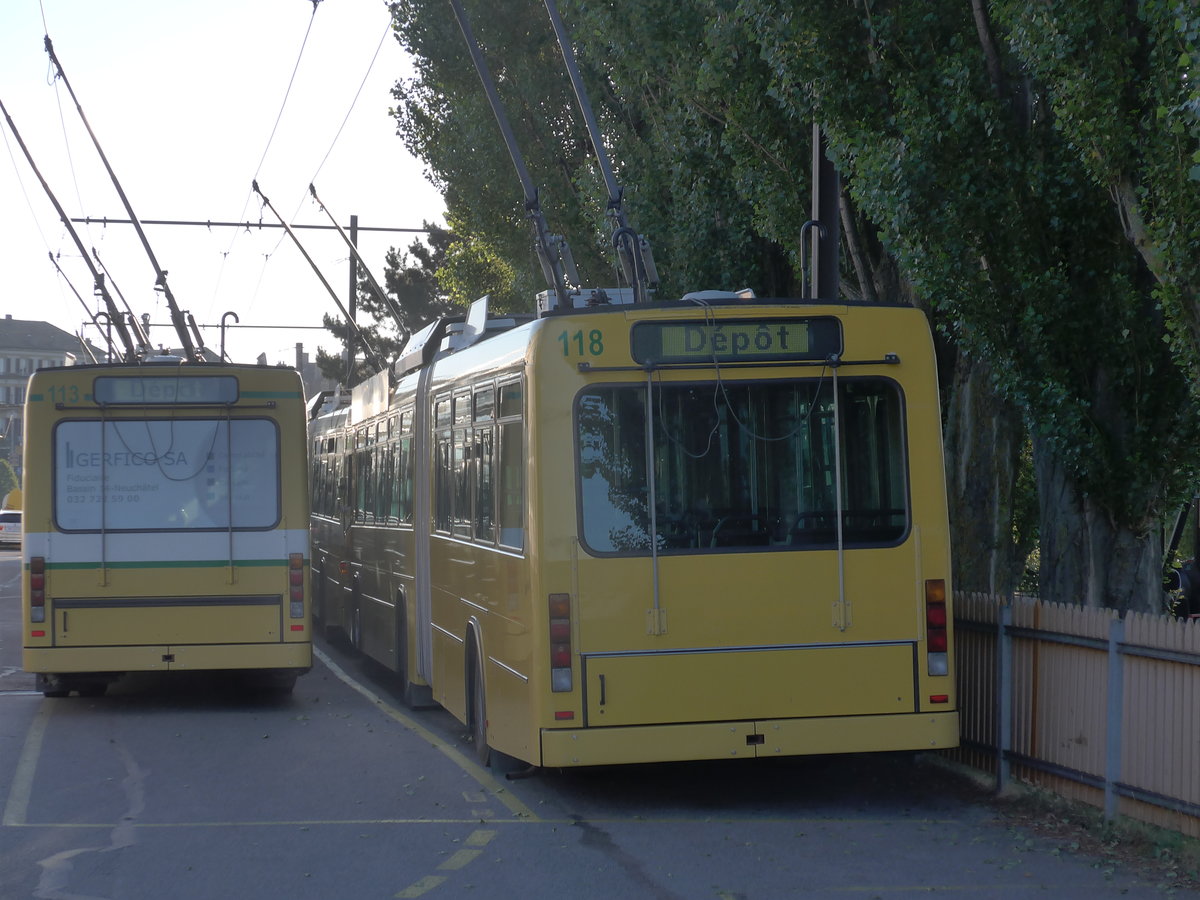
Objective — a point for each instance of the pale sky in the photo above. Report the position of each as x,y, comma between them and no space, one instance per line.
183,97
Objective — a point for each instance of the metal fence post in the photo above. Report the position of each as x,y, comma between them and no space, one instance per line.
1115,717
1005,688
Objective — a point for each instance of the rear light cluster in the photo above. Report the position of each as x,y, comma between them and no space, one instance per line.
937,639
560,642
296,587
37,589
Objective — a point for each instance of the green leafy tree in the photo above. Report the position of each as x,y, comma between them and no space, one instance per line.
1123,86
1053,250
443,117
411,279
8,479
951,147
715,171
414,297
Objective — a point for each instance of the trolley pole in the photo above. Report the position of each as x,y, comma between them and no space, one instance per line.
826,209
353,299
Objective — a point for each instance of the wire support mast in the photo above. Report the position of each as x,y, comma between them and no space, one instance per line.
388,303
558,266
193,351
114,315
633,250
376,360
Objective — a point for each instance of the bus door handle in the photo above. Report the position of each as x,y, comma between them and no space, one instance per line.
602,691
64,621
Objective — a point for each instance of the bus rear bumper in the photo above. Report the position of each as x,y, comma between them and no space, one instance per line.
166,658
732,740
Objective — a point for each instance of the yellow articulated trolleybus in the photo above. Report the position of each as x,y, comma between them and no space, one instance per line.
166,514
644,532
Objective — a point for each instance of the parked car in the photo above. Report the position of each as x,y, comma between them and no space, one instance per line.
10,526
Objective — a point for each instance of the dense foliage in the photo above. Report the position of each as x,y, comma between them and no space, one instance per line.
1027,171
414,297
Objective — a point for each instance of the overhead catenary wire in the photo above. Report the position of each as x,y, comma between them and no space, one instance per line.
177,318
387,301
353,102
374,357
37,222
113,313
91,315
329,151
270,140
317,105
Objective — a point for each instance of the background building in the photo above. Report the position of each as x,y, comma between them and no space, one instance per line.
26,345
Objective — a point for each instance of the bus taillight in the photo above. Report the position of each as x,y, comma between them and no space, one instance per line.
560,642
37,589
296,585
937,641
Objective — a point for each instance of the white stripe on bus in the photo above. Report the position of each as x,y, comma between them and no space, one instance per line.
160,546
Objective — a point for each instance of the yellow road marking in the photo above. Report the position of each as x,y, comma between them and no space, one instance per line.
476,771
426,884
479,838
17,807
459,859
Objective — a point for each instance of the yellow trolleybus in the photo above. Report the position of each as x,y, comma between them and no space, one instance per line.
166,514
630,533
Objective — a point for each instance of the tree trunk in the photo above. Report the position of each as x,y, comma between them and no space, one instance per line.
1086,557
983,448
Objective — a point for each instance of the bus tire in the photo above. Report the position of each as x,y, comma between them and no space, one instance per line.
51,686
477,708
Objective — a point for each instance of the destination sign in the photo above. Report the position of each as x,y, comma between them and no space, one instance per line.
738,340
126,390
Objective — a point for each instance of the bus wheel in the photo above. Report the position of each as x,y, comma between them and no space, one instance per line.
478,707
51,686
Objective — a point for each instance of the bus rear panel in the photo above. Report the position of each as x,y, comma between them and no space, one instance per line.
656,532
165,523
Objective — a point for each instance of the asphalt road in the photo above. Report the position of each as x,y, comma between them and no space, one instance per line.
199,787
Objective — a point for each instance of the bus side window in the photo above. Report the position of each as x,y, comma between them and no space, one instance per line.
511,486
484,458
405,479
485,526
441,465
